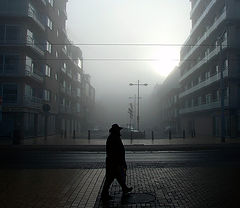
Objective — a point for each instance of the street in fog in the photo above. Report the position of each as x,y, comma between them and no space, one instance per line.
74,159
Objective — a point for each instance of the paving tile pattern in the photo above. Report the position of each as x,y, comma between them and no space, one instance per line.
50,188
193,187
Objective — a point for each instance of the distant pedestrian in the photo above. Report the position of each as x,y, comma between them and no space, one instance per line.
116,166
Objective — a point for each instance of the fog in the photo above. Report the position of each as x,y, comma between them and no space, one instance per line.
104,29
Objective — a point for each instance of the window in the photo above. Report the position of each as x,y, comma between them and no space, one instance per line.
29,64
12,33
9,93
47,95
56,76
28,91
80,63
56,54
64,68
51,2
226,64
199,100
78,92
47,71
208,98
49,23
48,47
2,32
79,77
11,63
57,33
78,108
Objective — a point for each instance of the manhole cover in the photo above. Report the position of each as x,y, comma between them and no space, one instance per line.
136,198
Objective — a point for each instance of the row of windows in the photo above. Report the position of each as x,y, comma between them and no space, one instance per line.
205,99
204,76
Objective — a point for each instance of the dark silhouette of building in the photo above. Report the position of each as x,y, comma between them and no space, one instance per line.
39,65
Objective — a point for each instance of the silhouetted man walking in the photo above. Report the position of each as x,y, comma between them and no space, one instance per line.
115,162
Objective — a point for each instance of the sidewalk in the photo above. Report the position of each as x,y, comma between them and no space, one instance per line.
50,188
185,187
179,187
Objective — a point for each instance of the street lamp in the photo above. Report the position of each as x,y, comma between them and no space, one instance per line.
138,84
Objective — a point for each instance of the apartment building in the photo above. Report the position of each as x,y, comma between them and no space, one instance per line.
39,65
168,105
213,45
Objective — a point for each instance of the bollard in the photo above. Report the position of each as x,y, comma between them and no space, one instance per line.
170,134
74,134
89,135
152,135
17,137
183,134
65,134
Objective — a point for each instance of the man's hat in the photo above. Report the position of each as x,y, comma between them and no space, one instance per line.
115,128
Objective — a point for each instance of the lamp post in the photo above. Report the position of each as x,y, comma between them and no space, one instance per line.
138,84
223,132
134,109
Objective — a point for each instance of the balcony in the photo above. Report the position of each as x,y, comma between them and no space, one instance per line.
37,75
214,26
32,43
36,17
206,59
195,7
205,83
204,107
208,8
31,101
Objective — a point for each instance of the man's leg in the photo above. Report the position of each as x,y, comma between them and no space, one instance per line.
121,178
108,181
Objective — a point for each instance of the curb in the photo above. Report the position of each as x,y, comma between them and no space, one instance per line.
101,148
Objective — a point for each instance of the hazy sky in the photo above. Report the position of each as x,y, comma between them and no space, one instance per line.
131,22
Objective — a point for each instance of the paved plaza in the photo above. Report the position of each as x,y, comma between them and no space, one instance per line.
194,187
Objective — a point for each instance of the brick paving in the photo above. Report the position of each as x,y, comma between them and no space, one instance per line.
50,188
172,187
193,187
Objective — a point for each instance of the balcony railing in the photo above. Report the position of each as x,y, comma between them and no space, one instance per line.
205,83
37,75
212,54
31,42
36,17
194,7
214,26
204,107
31,101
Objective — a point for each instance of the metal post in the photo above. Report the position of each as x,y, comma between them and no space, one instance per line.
45,126
89,135
138,118
152,135
0,108
222,92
